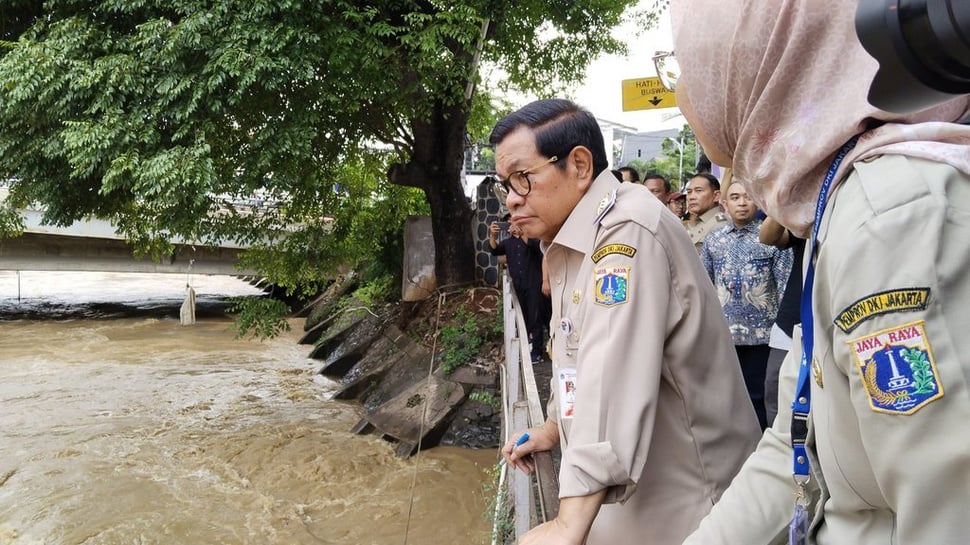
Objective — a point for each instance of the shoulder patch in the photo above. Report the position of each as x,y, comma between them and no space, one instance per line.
611,286
610,249
897,369
884,302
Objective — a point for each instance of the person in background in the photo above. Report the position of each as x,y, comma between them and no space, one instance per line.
524,262
749,278
677,203
653,424
705,215
704,165
874,447
629,174
774,234
657,185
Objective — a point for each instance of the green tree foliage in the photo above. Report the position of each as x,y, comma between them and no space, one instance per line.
259,316
168,117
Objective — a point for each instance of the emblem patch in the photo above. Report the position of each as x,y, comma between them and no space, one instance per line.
611,249
897,369
611,285
883,302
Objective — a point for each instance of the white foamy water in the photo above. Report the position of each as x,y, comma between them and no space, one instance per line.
39,291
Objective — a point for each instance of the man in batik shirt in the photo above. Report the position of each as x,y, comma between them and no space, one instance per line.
749,278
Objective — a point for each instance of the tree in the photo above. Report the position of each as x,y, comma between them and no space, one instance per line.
164,115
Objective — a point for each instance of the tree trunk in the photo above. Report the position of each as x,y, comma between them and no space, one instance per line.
435,167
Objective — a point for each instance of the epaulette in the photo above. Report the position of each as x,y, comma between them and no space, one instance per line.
605,205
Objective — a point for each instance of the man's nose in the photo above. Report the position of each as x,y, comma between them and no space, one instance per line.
514,200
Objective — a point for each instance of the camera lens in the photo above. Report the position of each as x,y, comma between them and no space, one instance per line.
942,49
923,49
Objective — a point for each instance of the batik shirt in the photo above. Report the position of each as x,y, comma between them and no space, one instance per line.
749,278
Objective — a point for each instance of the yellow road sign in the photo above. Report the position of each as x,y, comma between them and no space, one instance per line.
646,94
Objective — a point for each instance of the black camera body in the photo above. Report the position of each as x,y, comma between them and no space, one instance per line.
923,49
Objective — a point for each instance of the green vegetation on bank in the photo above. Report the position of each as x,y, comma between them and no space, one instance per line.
461,340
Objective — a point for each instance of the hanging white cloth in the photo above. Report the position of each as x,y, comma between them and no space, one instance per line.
187,311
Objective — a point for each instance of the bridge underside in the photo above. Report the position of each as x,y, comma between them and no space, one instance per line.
42,252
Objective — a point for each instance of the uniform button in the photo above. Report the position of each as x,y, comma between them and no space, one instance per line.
558,280
801,459
802,401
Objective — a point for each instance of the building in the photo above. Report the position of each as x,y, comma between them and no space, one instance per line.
645,145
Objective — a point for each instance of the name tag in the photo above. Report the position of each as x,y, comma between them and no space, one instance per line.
567,392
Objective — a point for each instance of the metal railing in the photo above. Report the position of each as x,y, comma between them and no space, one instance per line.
531,502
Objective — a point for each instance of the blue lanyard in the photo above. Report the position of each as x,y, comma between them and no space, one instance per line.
803,395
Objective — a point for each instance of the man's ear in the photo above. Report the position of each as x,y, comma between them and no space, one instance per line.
717,197
582,161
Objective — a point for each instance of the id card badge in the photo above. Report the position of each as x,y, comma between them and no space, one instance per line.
798,529
567,392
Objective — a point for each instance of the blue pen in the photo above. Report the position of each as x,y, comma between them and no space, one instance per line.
518,443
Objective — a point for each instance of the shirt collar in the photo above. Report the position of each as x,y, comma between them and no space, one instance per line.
752,226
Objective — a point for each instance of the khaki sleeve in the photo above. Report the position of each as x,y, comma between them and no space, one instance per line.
757,507
901,362
620,358
552,406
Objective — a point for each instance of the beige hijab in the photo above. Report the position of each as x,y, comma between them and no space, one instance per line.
781,85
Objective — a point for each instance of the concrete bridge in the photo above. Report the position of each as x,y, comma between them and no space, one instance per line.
94,245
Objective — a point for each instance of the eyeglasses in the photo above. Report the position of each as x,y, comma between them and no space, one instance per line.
519,181
668,70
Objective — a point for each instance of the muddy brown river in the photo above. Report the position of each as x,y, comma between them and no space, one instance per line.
137,430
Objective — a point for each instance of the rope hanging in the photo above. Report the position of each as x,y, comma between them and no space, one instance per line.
424,415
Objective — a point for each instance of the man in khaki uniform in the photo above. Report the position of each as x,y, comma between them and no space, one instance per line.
703,194
648,402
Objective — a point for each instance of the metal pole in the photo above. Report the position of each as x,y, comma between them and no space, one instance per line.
18,286
697,149
680,148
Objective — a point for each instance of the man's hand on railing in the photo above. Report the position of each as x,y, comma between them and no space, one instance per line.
571,526
541,438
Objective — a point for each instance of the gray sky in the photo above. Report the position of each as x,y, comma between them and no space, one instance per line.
602,93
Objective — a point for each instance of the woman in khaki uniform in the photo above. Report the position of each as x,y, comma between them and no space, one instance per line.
888,448
648,401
